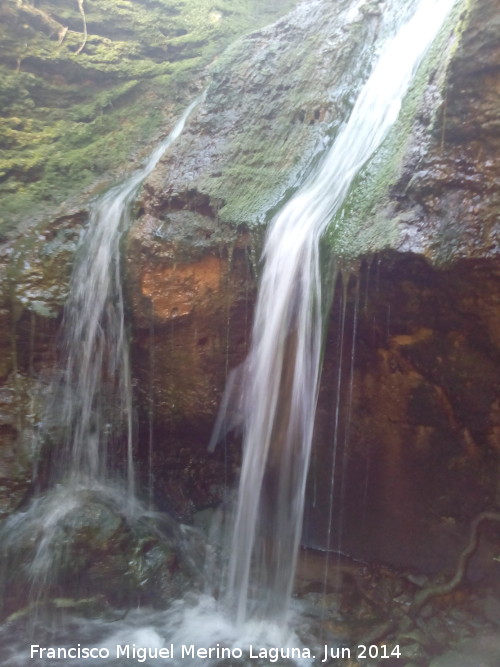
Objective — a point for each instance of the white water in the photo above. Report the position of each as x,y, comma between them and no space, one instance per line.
90,405
281,378
94,397
281,373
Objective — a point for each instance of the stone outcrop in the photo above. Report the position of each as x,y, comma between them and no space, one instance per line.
91,546
420,407
193,252
273,99
443,198
423,415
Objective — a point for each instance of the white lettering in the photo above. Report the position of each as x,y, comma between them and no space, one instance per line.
122,651
187,651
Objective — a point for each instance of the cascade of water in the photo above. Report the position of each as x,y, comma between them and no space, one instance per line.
94,396
282,370
91,402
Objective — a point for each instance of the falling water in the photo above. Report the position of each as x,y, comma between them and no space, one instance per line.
281,372
280,376
94,397
90,404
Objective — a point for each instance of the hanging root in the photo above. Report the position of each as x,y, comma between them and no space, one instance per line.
435,590
82,12
62,34
38,17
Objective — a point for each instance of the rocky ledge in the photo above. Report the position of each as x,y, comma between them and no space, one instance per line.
423,217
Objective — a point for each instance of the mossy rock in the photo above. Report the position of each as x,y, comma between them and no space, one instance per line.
73,96
83,543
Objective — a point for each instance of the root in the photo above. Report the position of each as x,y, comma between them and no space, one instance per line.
405,621
42,18
62,35
436,590
85,35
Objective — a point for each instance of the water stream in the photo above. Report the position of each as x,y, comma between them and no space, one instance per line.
281,373
89,404
280,378
94,394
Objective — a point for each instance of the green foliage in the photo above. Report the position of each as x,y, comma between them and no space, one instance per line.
67,118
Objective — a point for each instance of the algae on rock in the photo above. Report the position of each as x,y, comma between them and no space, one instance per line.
430,189
71,114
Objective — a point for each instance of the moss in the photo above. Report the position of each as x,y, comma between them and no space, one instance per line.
68,118
357,228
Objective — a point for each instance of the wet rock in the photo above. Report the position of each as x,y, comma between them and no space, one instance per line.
73,107
483,651
19,413
268,107
441,200
94,544
191,299
417,439
192,253
35,270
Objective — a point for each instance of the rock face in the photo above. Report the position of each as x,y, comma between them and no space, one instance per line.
191,296
71,123
272,100
417,444
444,201
424,452
422,418
74,79
34,276
419,439
193,251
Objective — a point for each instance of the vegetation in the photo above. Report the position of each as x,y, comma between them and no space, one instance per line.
84,83
359,227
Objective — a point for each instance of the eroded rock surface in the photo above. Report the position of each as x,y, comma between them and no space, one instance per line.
192,254
423,419
417,443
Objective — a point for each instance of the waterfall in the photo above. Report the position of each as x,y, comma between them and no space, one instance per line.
281,373
275,389
94,396
90,402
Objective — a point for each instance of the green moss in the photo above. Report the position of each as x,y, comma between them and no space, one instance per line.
357,228
67,118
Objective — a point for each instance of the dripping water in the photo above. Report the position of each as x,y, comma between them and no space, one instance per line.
349,399
96,380
278,392
336,421
89,409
